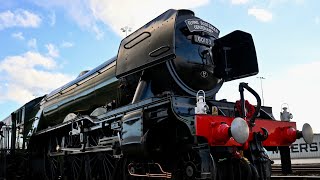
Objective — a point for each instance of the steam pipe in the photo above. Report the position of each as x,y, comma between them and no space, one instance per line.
256,95
242,102
142,86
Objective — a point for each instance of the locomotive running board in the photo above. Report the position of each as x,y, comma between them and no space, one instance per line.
78,118
64,151
111,115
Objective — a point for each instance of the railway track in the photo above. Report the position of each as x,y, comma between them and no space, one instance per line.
299,171
294,177
307,170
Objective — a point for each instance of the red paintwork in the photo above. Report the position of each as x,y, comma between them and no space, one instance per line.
220,133
215,130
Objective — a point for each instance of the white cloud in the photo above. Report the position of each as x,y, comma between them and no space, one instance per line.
260,14
299,1
53,51
52,18
19,18
277,3
299,88
297,85
99,33
133,14
117,14
32,43
66,44
317,20
236,2
29,75
79,11
18,35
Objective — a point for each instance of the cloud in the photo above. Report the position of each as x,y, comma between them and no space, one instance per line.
53,51
300,90
78,11
299,1
295,85
117,14
18,35
277,3
237,2
19,18
317,20
52,18
260,14
32,43
133,14
65,44
28,75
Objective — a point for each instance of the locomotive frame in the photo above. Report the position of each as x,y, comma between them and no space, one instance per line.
151,112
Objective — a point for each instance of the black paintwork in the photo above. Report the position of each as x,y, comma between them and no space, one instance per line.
191,60
150,45
235,56
189,67
19,124
148,92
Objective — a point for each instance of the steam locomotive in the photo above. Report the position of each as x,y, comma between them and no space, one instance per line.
151,112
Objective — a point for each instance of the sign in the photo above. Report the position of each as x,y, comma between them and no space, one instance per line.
301,150
199,25
203,40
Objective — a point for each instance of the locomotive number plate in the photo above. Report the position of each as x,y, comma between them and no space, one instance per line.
199,25
203,40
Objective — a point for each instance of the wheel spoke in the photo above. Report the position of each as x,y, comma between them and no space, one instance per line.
101,166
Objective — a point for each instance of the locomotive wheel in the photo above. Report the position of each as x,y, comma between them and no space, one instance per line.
92,166
187,166
238,169
53,167
53,164
15,165
100,166
75,167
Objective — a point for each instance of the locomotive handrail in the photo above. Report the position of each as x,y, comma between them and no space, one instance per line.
110,114
63,124
243,86
131,107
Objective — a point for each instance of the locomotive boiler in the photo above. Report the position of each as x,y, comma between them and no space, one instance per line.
151,112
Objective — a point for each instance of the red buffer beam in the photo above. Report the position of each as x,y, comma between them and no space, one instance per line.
217,130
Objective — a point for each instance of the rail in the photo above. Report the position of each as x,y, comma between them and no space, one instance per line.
294,177
299,171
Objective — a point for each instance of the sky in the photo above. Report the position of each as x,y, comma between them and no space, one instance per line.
45,44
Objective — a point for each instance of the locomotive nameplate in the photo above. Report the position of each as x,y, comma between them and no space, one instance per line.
196,25
202,40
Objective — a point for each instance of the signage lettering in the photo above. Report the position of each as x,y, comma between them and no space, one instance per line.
203,40
199,25
294,148
314,147
303,147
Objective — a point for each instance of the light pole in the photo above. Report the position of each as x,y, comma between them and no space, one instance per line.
126,29
261,78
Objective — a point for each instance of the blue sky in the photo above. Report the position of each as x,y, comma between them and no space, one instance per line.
44,44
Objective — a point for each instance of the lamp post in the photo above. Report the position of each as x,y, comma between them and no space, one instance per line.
261,78
126,29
